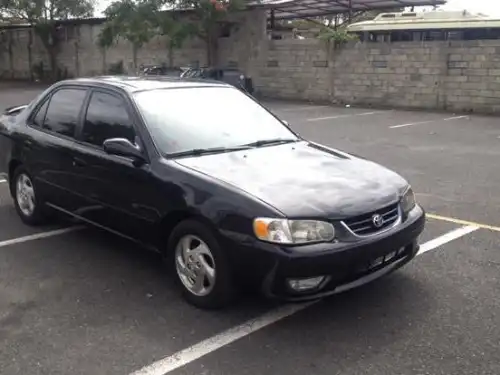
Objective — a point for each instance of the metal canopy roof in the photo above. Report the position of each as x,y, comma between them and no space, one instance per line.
314,8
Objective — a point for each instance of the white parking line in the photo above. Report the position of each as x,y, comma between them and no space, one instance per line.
38,236
448,237
188,355
410,124
191,354
455,118
427,122
342,116
305,108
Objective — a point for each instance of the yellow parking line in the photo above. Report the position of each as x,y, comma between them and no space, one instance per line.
463,222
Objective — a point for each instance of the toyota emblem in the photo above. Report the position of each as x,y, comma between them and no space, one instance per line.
377,220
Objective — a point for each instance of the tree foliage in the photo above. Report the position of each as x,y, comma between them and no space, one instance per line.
207,19
34,11
138,21
44,16
175,31
134,21
336,36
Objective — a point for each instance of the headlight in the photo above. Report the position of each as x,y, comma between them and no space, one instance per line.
408,201
285,231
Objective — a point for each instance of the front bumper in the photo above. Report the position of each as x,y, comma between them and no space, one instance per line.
344,265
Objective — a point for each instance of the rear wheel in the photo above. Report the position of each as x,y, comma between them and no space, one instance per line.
28,203
201,266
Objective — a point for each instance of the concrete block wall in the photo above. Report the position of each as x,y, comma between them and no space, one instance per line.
473,79
245,46
80,56
390,74
19,50
455,76
294,69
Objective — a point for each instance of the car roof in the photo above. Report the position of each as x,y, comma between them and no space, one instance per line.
136,83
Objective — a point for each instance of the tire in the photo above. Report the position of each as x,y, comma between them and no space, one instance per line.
214,292
33,215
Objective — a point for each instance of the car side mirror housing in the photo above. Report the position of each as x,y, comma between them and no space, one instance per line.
123,147
12,111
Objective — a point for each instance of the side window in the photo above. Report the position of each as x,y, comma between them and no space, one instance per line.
106,118
63,111
40,115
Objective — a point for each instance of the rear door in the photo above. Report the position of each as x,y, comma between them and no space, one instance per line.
48,146
120,195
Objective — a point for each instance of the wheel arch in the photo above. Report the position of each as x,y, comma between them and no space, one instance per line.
174,218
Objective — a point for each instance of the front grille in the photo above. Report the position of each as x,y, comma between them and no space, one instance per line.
363,225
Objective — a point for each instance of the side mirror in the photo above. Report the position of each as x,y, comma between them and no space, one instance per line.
12,111
123,147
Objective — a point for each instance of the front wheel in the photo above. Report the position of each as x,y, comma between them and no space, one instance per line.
28,204
202,268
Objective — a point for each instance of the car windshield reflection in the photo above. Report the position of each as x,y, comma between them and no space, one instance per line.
181,120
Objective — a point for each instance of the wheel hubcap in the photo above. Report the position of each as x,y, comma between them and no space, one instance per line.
195,265
25,194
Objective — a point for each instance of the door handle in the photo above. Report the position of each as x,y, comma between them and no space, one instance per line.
78,162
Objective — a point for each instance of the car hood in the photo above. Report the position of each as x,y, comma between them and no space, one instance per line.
304,179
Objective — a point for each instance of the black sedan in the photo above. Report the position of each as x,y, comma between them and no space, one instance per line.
230,197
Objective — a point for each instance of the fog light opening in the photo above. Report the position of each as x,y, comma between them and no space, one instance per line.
304,285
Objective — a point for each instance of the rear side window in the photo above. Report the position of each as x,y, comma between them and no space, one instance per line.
62,114
107,117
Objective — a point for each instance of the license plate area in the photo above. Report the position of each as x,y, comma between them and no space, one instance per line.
384,260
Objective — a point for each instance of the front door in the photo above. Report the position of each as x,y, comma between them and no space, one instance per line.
120,195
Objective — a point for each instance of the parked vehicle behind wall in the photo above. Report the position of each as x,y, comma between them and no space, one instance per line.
231,76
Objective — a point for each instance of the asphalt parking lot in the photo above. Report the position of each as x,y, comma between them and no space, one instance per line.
78,301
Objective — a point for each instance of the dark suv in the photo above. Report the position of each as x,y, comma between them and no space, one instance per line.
231,76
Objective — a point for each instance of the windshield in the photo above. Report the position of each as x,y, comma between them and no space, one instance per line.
186,119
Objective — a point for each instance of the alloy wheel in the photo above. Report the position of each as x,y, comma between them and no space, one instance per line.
195,265
25,195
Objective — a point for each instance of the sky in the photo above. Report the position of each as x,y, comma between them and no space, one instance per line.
488,7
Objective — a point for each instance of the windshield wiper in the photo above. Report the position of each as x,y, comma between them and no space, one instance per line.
206,151
266,142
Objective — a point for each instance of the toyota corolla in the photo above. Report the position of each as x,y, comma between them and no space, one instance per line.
203,173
